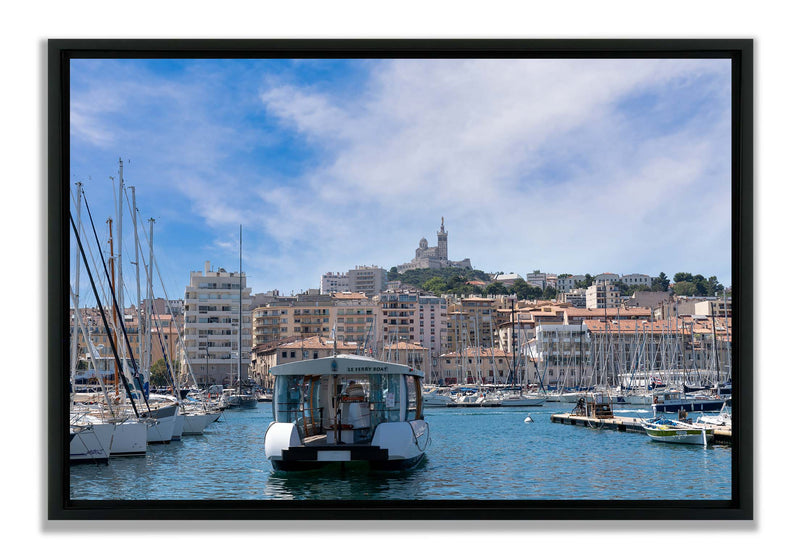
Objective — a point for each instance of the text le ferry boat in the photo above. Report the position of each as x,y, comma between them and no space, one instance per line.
346,408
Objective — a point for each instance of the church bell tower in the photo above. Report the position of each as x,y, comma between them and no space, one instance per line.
442,245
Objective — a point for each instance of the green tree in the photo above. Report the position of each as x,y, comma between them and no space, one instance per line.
496,288
549,293
684,288
435,285
159,375
661,283
682,277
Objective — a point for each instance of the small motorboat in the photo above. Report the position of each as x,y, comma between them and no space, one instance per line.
677,432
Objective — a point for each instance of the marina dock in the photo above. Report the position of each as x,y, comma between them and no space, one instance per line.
722,435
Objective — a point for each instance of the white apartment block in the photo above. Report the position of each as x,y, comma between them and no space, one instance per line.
636,280
331,282
211,325
576,297
602,295
562,353
606,277
537,279
567,283
369,280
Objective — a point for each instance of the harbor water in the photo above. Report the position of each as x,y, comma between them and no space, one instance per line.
475,454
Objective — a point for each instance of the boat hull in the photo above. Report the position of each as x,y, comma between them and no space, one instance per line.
689,405
676,432
91,443
196,423
130,439
394,446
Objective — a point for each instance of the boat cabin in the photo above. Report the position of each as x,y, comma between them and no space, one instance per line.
344,400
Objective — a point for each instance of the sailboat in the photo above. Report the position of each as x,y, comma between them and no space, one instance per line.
241,398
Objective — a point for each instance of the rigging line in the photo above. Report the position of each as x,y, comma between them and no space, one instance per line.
94,262
136,374
173,321
103,315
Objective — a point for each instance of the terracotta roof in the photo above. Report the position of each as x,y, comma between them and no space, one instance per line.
404,345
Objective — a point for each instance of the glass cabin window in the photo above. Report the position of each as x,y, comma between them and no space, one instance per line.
288,399
385,398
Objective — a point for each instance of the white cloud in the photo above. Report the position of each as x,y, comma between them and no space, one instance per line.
473,140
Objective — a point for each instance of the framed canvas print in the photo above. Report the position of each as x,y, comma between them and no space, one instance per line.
400,279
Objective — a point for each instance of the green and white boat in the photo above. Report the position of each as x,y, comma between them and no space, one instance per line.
677,432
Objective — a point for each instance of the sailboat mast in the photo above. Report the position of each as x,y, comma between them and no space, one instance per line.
114,305
138,283
149,310
120,294
74,361
239,366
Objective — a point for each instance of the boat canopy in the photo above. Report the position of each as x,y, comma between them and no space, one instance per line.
344,365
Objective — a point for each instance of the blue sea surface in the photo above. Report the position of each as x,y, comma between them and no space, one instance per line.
475,454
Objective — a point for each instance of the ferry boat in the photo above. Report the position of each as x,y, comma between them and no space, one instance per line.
343,409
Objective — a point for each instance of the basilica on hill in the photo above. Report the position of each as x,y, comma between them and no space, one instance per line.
433,257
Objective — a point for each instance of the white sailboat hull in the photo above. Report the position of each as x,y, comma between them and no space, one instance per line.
130,439
196,423
91,443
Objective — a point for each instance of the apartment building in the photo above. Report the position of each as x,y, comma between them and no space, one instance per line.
471,322
433,323
563,355
211,324
399,317
475,366
332,282
603,295
575,297
636,280
313,314
567,283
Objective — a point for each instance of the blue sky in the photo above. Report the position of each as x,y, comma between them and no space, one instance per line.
564,166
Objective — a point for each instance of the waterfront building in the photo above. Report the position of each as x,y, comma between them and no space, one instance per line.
355,316
433,257
399,317
602,295
211,324
315,314
412,354
267,355
526,319
432,323
471,322
563,355
475,366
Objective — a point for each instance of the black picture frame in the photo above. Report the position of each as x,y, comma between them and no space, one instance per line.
739,51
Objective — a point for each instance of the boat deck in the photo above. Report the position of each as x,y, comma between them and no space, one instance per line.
722,435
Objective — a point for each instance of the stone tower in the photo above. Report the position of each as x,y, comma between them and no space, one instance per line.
442,246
